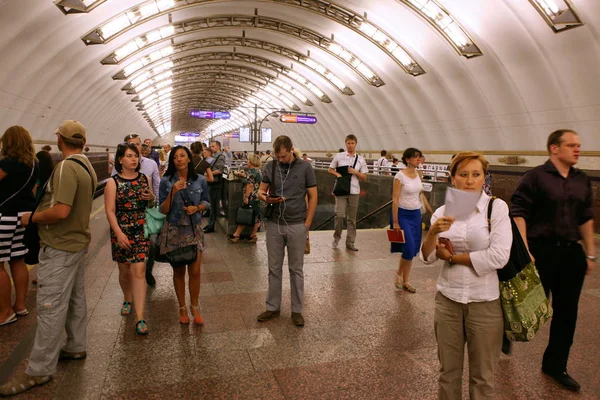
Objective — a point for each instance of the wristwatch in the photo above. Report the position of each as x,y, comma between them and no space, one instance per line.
593,258
452,263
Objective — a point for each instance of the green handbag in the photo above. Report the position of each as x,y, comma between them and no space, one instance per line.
154,221
524,303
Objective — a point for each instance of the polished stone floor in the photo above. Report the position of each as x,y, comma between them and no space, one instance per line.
362,339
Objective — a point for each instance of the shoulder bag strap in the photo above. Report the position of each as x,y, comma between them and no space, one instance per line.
355,161
489,214
89,173
20,190
272,184
215,160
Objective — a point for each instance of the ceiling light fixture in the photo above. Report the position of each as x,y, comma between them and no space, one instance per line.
445,23
560,15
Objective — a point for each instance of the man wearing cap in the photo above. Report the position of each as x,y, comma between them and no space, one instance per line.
150,169
63,218
153,153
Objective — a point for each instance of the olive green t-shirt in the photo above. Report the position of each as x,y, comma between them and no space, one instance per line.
69,184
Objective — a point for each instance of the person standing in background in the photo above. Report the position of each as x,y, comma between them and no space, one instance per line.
288,225
553,209
346,207
153,153
150,169
216,186
381,165
18,174
406,215
63,217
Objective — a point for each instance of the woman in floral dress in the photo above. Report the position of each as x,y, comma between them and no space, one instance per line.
126,197
251,181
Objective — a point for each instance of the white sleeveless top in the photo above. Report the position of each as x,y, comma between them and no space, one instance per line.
410,193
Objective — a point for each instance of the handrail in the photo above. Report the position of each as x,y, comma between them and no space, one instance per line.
375,211
324,222
362,219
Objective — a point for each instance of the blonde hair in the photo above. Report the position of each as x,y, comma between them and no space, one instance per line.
465,157
16,143
254,159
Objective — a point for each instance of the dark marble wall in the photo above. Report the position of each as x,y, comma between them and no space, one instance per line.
377,191
505,182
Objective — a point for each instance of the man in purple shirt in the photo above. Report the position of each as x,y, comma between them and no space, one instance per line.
553,208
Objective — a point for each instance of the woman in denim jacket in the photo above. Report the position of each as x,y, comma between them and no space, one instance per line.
183,196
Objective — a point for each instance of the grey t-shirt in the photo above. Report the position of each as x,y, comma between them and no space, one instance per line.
291,182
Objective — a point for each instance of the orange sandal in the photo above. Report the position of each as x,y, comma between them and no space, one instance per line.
198,320
184,320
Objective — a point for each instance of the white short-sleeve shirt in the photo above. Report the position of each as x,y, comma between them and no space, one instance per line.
410,192
344,159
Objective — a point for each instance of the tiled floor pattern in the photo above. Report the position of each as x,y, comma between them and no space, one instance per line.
362,339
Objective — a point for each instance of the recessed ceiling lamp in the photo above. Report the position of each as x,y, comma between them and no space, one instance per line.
441,19
560,15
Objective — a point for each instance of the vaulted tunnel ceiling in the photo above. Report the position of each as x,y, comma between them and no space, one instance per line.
436,74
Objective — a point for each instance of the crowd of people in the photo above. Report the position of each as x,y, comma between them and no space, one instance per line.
552,208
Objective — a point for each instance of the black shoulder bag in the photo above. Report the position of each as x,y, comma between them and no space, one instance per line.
342,185
270,209
31,238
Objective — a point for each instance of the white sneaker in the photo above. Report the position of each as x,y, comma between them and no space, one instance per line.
335,243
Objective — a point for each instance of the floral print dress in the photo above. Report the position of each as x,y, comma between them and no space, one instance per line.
131,215
254,177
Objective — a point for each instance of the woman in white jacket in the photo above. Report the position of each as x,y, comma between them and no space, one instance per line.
467,304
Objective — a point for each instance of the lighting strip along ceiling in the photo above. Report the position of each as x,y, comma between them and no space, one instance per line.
148,95
560,15
180,76
77,6
232,124
265,79
219,76
185,103
168,32
191,87
441,19
191,91
257,22
280,69
151,9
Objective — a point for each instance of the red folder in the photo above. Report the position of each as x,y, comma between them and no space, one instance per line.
395,237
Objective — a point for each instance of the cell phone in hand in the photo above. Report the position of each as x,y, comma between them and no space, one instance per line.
274,196
447,244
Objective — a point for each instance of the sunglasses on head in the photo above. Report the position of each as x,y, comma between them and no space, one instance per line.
132,136
127,145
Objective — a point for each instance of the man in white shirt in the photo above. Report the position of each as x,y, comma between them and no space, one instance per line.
348,163
381,165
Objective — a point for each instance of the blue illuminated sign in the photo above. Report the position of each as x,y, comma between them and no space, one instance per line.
210,114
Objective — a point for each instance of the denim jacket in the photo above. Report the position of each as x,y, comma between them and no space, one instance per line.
196,193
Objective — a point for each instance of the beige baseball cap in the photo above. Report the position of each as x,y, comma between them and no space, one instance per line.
71,129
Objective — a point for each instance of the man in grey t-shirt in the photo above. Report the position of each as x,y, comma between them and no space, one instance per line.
289,181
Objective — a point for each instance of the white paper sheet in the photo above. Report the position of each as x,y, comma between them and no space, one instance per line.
459,203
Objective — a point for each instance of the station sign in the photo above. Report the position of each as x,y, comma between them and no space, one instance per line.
190,134
298,119
210,114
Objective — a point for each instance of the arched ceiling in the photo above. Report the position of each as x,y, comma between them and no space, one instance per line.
489,75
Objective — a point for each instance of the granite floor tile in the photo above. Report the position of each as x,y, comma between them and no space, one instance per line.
363,339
